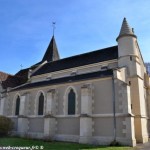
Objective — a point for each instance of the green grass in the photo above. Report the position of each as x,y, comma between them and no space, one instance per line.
54,145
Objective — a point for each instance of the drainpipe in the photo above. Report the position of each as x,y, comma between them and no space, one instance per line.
114,108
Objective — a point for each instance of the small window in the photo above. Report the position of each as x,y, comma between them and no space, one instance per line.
17,106
130,58
129,82
41,104
71,102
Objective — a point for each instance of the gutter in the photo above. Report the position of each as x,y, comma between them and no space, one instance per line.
114,109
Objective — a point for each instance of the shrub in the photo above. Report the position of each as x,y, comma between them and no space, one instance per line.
6,126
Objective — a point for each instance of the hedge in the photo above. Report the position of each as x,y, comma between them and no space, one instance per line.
6,125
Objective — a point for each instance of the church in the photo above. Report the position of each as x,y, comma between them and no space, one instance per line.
95,98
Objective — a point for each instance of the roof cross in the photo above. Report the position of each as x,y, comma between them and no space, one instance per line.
21,66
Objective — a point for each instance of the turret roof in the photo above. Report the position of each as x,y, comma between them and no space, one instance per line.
125,29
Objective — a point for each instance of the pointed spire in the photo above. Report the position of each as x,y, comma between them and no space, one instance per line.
51,53
125,30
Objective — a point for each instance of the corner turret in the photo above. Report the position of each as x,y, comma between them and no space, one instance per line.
127,46
130,58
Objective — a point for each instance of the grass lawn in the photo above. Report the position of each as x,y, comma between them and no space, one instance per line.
41,145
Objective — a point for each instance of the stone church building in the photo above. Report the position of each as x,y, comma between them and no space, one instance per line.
96,97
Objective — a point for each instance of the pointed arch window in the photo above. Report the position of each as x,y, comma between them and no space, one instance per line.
17,106
41,104
71,102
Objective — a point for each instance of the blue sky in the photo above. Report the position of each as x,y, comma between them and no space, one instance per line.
81,26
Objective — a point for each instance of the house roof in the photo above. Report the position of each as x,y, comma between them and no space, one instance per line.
4,76
69,79
79,60
8,80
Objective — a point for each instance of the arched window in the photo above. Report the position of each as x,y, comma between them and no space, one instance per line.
41,104
17,106
71,102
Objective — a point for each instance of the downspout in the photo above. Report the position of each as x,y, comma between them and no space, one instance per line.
114,109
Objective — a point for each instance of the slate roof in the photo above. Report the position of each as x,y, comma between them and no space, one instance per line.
69,79
125,30
23,73
79,60
51,53
4,76
8,80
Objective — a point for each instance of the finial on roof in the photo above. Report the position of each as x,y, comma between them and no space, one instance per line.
53,25
125,29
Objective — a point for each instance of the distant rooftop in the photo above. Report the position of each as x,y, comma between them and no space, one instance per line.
148,67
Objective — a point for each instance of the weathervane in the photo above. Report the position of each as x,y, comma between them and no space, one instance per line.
53,25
